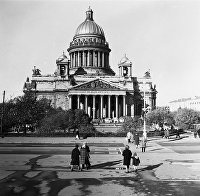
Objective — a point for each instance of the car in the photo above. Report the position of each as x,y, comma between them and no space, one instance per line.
108,120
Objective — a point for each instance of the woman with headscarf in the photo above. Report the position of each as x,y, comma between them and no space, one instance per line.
83,156
136,161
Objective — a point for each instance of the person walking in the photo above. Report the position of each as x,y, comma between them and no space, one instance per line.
167,133
75,157
127,158
87,161
143,144
77,135
195,133
128,136
83,155
136,161
137,140
198,132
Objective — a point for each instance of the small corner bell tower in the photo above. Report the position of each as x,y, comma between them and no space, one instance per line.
125,67
63,66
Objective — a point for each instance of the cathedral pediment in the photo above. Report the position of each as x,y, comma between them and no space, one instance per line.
97,85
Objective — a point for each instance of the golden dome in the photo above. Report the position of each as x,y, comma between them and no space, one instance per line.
89,27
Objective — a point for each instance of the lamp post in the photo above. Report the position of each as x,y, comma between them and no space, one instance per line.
144,126
2,135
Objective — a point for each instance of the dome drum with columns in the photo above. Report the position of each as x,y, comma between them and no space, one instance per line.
89,48
85,80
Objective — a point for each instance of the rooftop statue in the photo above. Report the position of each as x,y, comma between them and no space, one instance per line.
147,74
36,72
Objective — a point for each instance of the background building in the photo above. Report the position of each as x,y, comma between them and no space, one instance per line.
189,103
86,80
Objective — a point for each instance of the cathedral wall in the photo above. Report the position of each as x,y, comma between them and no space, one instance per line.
45,85
130,105
62,100
64,85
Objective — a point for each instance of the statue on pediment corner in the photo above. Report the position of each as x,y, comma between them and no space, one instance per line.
36,71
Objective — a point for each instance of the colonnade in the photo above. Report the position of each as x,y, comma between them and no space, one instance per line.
86,58
100,106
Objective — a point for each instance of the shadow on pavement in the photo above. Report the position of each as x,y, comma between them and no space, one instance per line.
151,167
106,164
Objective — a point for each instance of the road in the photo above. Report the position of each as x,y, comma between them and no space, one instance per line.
43,169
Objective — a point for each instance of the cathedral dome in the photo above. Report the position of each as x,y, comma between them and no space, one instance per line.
89,27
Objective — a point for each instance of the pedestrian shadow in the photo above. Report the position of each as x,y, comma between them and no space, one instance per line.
156,149
105,164
151,167
175,139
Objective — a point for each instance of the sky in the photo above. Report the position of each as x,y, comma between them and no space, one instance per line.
160,35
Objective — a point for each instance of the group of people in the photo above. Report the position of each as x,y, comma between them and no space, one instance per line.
196,132
80,157
130,138
127,154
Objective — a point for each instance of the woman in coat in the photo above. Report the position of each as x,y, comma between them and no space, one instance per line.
83,156
137,140
75,157
143,144
87,161
127,158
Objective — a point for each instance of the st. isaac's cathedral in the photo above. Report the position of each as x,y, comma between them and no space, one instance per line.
85,80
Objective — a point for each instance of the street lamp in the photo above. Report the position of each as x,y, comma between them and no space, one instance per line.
144,108
2,135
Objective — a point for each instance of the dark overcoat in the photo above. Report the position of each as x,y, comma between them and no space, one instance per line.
136,161
75,157
127,156
137,140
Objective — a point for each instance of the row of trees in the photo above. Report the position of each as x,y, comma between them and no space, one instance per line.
27,110
41,116
182,118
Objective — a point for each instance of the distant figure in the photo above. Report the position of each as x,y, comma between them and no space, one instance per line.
198,132
177,134
77,135
167,133
137,140
129,136
195,133
136,161
143,144
127,158
87,161
75,157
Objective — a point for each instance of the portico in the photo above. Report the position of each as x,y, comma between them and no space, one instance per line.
100,106
101,101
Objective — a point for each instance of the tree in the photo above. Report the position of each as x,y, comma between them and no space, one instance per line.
132,124
81,118
160,116
31,110
24,110
185,118
9,114
70,119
